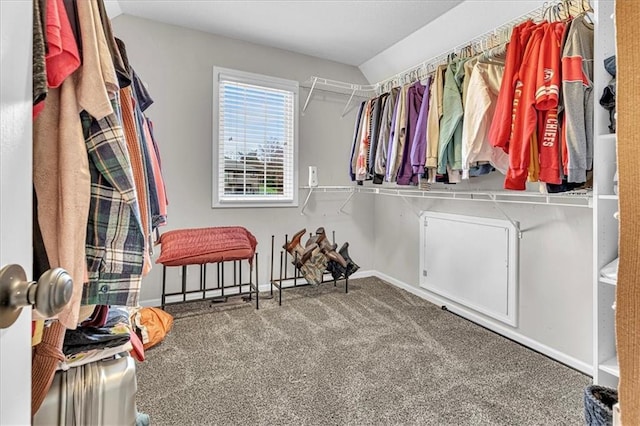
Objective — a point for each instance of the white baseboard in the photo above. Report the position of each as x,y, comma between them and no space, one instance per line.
359,274
261,287
491,325
150,303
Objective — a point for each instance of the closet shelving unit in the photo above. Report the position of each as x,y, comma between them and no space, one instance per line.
364,91
567,199
605,233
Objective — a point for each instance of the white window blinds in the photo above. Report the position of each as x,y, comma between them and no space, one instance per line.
256,140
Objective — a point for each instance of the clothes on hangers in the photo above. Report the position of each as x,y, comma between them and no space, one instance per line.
60,166
386,122
81,178
121,68
39,46
398,135
419,145
500,130
433,121
354,142
577,87
375,133
364,142
524,119
480,105
115,240
547,104
62,56
450,141
468,69
524,109
415,99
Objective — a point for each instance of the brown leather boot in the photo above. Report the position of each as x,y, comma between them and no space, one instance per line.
326,246
295,241
336,257
301,256
317,239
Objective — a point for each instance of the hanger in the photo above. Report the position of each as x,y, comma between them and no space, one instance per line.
586,8
433,67
546,11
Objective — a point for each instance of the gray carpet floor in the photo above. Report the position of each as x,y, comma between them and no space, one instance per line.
377,355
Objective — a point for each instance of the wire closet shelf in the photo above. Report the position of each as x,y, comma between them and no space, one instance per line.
491,39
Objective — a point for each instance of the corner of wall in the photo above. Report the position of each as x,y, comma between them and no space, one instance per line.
113,8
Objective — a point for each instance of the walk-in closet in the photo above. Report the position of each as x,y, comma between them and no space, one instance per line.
319,213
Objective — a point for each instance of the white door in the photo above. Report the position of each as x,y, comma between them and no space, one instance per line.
15,200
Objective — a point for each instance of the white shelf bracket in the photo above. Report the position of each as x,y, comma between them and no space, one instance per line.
506,215
306,201
313,86
340,210
346,107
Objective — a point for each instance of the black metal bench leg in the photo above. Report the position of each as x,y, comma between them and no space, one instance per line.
164,285
257,285
184,283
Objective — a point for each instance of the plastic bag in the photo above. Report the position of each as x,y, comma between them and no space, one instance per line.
153,325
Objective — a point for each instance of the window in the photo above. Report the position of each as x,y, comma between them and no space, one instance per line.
255,140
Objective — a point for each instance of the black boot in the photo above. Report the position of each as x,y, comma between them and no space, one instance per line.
344,267
351,265
335,270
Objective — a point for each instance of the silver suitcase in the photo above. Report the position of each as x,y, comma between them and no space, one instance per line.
100,393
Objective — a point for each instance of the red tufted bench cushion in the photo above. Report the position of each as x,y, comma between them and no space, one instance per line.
206,245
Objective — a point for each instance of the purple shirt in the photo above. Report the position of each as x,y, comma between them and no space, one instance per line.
419,148
414,105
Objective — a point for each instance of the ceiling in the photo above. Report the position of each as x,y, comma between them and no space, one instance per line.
350,32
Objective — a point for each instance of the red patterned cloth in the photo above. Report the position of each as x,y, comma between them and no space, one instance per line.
206,245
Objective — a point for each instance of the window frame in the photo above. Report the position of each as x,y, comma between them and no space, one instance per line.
268,82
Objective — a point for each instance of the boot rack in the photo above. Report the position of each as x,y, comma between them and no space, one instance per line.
294,279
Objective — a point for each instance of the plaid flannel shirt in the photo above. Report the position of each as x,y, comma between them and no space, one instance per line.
115,242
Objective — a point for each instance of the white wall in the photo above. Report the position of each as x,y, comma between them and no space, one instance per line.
461,24
177,64
554,306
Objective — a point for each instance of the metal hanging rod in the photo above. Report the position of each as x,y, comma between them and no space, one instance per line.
415,72
492,38
483,42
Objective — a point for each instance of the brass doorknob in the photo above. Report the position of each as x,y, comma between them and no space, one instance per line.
48,296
